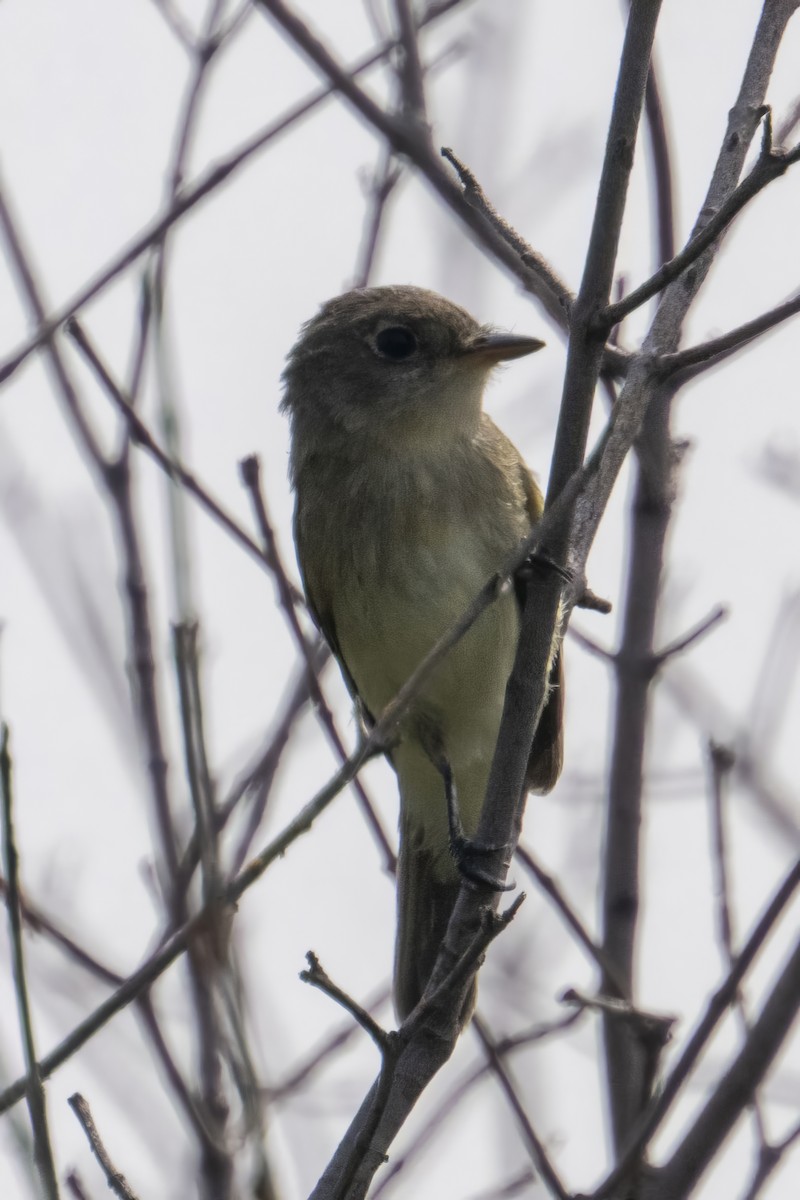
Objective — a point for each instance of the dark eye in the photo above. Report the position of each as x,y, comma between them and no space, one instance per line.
396,342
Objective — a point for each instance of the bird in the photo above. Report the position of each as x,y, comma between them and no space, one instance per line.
408,498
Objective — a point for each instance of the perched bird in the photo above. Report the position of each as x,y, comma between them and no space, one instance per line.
408,499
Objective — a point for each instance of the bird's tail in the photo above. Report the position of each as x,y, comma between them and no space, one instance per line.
425,900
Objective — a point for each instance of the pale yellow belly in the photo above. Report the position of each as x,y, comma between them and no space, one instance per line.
385,628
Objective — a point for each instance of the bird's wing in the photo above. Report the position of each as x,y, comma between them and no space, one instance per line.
322,614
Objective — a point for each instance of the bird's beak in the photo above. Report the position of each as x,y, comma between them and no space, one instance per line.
499,347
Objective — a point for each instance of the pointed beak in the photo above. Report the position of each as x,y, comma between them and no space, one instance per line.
500,347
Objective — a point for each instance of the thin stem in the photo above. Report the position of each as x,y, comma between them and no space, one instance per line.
114,1178
533,1143
695,1152
33,1087
209,183
716,1008
683,365
770,165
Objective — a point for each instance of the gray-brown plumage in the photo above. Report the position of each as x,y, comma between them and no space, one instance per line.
408,499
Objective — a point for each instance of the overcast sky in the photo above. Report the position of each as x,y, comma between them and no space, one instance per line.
91,94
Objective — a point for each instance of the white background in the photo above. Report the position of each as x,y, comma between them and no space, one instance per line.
90,95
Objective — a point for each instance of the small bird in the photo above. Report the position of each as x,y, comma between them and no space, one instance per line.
408,499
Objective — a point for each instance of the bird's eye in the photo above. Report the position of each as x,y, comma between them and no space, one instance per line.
396,342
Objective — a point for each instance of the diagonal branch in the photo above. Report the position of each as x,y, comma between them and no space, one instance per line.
716,1008
770,165
691,1157
684,365
408,140
209,183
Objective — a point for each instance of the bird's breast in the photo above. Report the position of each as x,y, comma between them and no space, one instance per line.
401,553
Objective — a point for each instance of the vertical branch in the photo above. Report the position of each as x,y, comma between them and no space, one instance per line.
526,691
381,184
143,663
37,1104
626,1055
586,347
721,764
412,82
185,650
203,54
626,1064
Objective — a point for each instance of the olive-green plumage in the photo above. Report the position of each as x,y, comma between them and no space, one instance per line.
409,498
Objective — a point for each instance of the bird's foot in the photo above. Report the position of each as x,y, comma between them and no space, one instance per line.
466,853
540,564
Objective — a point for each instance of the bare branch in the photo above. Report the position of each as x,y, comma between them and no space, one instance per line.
554,293
721,761
693,1154
114,1178
319,978
549,885
33,1087
296,1078
412,82
205,186
533,1143
662,165
720,613
142,436
380,188
463,1089
768,1160
22,264
717,1006
770,165
684,365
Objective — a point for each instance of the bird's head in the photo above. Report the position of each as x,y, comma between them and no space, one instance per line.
400,362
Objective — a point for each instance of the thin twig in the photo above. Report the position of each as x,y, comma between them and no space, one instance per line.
690,1158
412,81
721,763
142,436
256,783
318,978
534,1144
209,183
381,186
556,296
114,1178
770,165
21,261
76,1187
768,1160
684,365
549,885
720,613
37,1103
717,1006
292,1083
